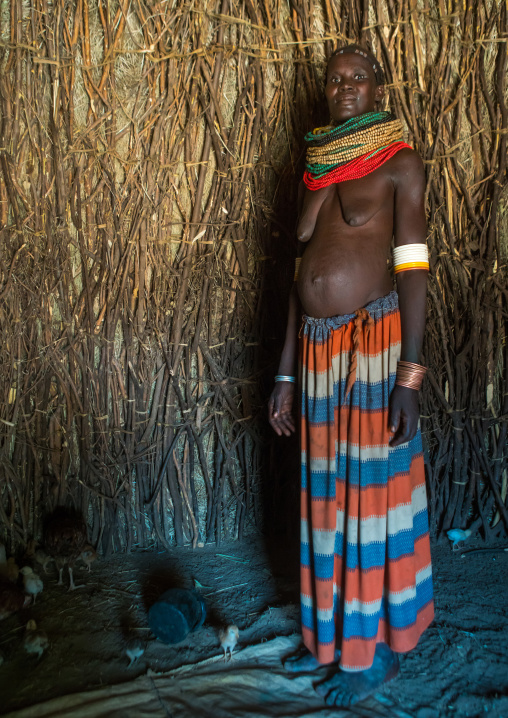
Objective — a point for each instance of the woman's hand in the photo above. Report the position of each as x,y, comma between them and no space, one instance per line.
280,407
403,414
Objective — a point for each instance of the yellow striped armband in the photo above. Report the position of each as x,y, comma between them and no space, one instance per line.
410,256
297,267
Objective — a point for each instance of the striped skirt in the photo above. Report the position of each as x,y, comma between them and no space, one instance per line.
365,554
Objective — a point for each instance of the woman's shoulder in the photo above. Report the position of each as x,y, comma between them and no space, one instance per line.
406,162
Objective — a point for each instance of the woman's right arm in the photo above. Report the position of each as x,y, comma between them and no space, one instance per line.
280,405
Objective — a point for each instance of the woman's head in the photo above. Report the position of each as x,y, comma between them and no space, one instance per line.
354,83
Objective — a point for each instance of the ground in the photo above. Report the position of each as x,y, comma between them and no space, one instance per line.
459,668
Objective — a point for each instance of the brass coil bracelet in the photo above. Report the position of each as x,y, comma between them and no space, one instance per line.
410,375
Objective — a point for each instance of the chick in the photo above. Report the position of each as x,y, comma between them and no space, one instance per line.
32,582
88,556
30,549
8,567
228,639
35,641
12,569
33,553
64,539
457,536
42,558
134,650
12,598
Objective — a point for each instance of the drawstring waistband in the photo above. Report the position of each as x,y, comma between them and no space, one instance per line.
377,309
361,316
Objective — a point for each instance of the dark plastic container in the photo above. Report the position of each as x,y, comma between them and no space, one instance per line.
177,612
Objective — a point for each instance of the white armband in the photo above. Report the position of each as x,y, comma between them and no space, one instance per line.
410,256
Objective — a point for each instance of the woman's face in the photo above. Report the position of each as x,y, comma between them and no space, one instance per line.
351,87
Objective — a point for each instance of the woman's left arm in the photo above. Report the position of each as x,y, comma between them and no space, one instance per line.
410,227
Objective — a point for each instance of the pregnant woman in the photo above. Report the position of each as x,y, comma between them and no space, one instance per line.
366,581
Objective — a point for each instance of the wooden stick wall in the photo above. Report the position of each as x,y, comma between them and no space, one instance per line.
150,154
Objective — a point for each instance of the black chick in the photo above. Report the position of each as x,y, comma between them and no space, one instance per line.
65,537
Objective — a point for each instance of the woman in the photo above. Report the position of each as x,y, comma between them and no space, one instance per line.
366,585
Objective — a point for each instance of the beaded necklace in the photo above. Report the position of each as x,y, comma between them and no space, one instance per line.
351,150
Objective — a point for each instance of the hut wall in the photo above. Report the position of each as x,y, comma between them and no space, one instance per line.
150,154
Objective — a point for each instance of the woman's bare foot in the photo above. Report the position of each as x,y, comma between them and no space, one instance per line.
345,689
304,661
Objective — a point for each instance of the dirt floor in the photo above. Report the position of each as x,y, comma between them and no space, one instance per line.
459,668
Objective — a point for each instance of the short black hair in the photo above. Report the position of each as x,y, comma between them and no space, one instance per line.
359,50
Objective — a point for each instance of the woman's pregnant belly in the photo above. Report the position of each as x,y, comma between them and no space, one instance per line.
338,276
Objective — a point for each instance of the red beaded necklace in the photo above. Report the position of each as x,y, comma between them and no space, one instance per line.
355,169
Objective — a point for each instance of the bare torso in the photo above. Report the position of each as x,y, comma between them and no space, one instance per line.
349,228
